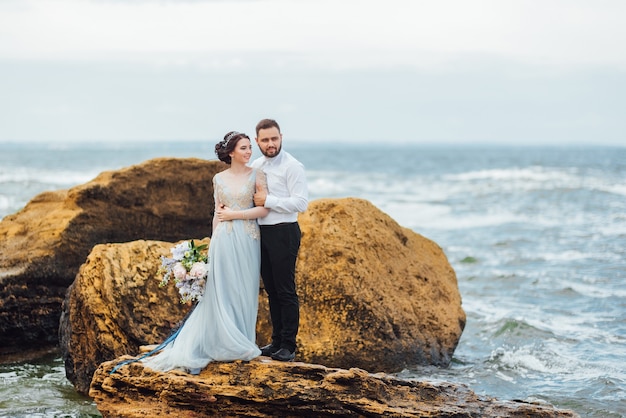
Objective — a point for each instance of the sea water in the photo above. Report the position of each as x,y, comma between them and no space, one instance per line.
536,235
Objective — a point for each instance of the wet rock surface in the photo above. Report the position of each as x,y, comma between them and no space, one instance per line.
267,388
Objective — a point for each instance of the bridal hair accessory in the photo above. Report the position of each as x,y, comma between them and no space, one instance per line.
229,137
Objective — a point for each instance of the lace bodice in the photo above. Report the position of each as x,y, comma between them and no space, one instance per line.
235,196
238,196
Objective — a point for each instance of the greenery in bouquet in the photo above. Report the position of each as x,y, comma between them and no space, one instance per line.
187,268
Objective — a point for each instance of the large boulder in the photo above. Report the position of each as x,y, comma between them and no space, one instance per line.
373,295
267,388
114,305
43,245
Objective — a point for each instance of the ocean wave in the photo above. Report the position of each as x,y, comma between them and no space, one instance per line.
493,311
565,255
516,321
596,291
455,221
615,228
6,202
9,376
525,359
619,189
52,176
320,187
547,361
537,174
480,182
472,199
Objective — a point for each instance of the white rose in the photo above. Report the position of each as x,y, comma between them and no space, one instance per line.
179,271
198,270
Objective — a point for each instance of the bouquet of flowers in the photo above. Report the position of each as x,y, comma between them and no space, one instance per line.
189,268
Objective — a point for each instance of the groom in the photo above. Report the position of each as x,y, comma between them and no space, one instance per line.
287,195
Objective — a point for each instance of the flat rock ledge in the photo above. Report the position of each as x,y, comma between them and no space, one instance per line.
267,388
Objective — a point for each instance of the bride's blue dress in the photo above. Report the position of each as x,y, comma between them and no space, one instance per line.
222,326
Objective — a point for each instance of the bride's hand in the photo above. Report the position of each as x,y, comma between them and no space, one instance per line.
224,213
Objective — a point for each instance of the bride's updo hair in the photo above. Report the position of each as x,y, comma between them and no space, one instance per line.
227,145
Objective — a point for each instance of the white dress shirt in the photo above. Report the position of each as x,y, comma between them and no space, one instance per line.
287,189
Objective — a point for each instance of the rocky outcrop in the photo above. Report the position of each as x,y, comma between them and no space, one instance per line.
266,388
43,245
373,295
115,305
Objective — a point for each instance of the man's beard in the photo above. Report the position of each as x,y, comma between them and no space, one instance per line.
275,154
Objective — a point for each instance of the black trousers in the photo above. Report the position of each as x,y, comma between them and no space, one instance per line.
279,249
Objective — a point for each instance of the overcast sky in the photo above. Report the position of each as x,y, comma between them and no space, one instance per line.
445,71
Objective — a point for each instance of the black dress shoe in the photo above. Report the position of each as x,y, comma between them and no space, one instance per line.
269,349
284,355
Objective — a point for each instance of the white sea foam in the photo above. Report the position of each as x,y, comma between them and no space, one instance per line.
418,201
55,177
57,375
456,222
495,311
421,211
320,187
619,189
551,367
536,174
566,255
616,228
521,359
597,291
491,310
503,376
5,202
531,178
22,184
551,360
411,215
8,375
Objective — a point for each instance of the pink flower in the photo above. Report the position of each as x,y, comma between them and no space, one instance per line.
179,271
198,270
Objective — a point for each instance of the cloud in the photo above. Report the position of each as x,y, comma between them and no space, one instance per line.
523,71
324,34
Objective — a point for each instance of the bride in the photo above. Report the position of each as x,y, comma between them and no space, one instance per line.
222,326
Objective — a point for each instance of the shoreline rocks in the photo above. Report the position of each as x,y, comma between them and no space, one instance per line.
267,388
115,305
43,245
373,295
